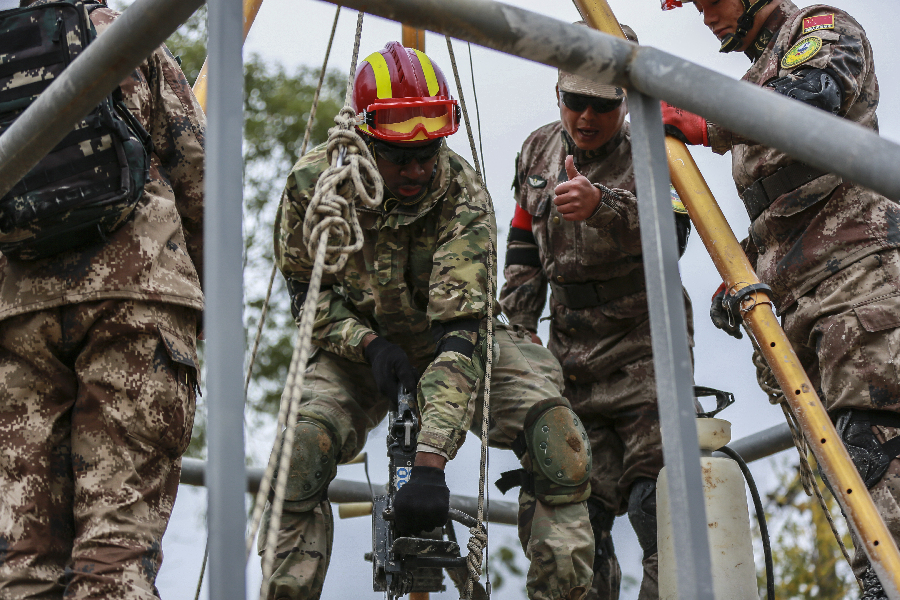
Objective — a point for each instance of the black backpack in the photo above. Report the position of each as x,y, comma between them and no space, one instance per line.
89,184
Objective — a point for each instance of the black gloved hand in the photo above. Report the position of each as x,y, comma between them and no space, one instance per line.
423,502
720,316
390,367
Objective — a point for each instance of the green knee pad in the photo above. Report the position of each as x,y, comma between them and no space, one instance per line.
313,465
560,454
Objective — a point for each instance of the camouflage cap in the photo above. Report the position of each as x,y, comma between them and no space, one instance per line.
576,84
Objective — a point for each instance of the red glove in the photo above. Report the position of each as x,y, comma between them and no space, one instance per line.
687,127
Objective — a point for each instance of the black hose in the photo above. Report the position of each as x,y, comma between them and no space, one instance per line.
760,518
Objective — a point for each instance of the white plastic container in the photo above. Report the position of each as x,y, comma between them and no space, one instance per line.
733,570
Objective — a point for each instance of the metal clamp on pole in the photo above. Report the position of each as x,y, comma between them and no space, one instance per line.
735,302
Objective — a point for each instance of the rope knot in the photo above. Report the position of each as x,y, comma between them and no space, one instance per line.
476,546
352,175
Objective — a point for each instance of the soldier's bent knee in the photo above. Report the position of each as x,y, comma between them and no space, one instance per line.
314,458
642,514
559,451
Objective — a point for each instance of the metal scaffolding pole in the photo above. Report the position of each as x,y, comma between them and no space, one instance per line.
86,82
223,288
802,131
671,351
193,472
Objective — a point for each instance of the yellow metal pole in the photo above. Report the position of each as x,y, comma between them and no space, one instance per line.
737,273
251,8
413,38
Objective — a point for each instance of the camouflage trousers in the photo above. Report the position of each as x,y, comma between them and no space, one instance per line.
846,333
621,417
96,408
557,540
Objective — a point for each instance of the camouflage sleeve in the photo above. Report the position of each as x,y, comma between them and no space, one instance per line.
617,214
337,328
524,293
458,291
842,50
178,129
722,140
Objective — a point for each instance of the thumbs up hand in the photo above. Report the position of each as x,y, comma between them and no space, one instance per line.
576,199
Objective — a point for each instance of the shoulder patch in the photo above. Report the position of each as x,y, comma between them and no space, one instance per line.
801,52
537,182
677,205
811,24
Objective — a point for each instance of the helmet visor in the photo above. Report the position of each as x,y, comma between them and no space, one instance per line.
412,120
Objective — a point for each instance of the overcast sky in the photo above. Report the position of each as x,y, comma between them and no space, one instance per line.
516,97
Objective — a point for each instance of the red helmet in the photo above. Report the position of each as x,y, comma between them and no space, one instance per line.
403,97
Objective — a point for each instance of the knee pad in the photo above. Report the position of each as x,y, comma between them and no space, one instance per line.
560,455
642,514
313,464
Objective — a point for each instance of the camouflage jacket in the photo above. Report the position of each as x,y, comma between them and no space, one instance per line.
421,267
808,234
158,254
543,248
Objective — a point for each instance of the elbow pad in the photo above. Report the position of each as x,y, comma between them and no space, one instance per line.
816,87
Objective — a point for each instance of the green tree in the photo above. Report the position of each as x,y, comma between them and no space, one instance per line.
808,562
277,104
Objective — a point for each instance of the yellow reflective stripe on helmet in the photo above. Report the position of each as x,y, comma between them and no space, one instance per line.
430,76
382,76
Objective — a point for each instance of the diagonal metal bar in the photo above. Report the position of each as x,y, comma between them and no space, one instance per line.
91,77
671,352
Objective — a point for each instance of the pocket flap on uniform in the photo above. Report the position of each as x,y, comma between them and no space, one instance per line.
179,350
879,314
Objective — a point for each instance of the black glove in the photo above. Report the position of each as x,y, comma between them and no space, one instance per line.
423,502
721,317
390,367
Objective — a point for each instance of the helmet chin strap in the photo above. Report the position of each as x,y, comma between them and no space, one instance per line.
733,41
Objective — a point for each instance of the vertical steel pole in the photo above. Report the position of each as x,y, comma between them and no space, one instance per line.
671,353
223,287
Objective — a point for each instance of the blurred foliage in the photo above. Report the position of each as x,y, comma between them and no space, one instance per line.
502,567
277,104
808,561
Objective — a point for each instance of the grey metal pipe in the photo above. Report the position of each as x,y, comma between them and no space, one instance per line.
193,472
671,352
91,77
800,130
223,289
762,443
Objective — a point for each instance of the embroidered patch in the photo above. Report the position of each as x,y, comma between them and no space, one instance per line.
536,181
801,52
677,205
811,24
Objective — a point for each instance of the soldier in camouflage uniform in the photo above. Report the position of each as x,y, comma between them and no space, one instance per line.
414,300
98,372
826,246
575,230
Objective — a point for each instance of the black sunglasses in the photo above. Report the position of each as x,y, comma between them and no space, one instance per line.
579,102
401,155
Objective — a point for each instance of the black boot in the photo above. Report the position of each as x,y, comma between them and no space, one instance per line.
872,589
